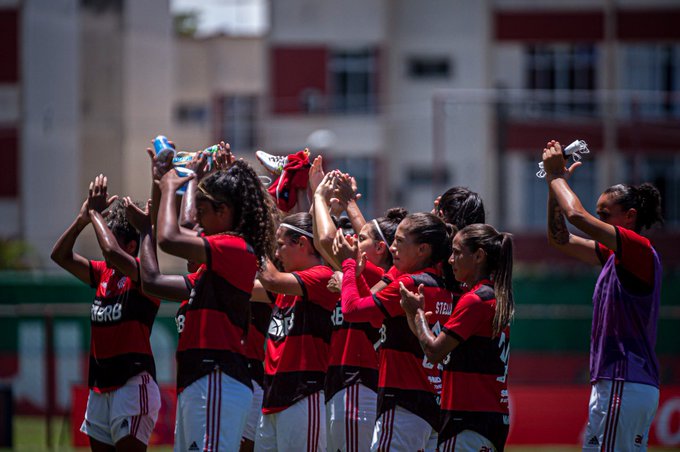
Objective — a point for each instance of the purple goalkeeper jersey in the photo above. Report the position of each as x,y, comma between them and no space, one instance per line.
624,327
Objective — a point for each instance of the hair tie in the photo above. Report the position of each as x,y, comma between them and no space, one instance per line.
298,230
380,233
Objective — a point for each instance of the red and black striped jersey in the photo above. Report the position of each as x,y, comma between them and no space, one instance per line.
217,314
121,318
475,389
406,377
299,333
260,315
353,356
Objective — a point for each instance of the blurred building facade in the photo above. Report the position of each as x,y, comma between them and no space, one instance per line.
409,97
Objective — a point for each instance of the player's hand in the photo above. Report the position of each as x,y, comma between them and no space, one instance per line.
224,158
335,283
138,218
83,218
411,302
346,189
199,165
171,181
97,195
159,167
344,247
554,163
435,209
316,174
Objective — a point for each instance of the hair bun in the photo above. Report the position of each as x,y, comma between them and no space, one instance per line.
396,214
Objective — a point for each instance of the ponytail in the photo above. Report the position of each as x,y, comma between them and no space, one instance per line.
498,249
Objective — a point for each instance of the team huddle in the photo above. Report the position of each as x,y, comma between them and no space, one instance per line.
304,326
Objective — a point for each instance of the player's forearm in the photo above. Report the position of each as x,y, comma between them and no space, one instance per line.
63,248
188,209
168,228
355,216
427,339
558,234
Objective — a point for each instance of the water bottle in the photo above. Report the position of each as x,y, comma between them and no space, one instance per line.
163,147
574,150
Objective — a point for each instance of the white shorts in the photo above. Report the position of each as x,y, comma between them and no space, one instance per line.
254,413
350,416
211,414
130,410
467,441
620,416
300,427
400,430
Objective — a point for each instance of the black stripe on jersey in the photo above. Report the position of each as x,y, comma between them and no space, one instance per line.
372,333
421,403
115,371
479,355
341,377
214,292
302,285
208,253
196,363
452,334
307,318
493,426
428,280
256,371
187,283
380,306
398,336
260,316
485,293
135,307
285,388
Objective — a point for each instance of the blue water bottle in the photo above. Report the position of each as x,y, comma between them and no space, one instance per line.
163,147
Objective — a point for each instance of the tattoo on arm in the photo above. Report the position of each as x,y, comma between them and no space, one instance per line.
425,336
557,225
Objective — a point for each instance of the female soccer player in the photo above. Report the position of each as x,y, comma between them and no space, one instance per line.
624,371
213,383
296,359
474,342
352,378
408,384
124,399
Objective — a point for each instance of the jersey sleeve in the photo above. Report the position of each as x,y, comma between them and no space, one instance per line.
96,271
314,283
232,259
389,298
468,317
634,255
372,274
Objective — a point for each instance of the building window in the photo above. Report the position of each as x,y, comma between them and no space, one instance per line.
431,67
238,121
654,71
583,182
664,173
569,71
196,114
353,81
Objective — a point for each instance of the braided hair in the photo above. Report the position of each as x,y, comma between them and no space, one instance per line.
240,188
644,198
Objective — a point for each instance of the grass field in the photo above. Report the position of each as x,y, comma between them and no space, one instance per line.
30,436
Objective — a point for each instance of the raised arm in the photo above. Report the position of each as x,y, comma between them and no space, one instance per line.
324,228
347,193
170,238
63,254
113,251
169,287
563,203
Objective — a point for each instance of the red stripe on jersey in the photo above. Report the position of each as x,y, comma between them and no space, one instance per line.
209,329
296,353
403,370
352,347
466,391
125,337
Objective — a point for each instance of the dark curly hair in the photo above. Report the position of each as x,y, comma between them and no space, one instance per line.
644,198
240,188
117,222
459,206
